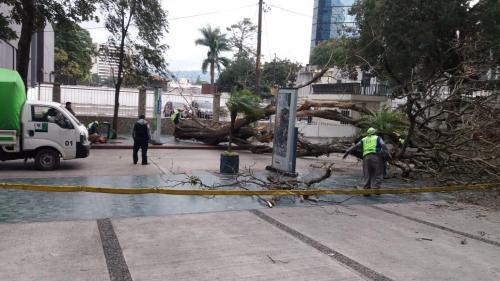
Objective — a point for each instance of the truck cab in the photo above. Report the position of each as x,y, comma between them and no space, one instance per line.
48,133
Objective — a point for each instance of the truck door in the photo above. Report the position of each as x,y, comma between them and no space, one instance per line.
49,126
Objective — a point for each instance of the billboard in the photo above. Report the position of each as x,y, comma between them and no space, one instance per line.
285,134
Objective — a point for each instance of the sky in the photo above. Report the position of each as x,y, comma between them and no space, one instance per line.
286,28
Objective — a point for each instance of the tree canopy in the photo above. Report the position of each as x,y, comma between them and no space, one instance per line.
73,53
281,72
140,52
441,58
339,52
240,74
241,37
6,33
406,41
244,102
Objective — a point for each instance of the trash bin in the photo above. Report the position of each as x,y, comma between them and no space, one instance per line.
105,130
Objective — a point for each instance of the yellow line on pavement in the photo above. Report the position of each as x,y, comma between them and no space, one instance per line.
239,192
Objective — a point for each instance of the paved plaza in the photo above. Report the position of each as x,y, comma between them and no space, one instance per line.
411,241
85,236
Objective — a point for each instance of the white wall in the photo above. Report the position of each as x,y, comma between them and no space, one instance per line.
321,128
326,130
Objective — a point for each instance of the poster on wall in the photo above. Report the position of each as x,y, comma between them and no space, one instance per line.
285,137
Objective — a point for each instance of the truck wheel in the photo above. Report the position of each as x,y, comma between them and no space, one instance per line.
47,159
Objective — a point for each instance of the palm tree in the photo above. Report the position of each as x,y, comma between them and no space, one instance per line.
385,120
216,43
245,102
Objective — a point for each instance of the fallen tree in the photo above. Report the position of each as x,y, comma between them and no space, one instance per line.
443,72
455,138
210,132
449,138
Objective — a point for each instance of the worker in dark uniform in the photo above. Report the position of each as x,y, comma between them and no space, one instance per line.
372,147
141,136
69,108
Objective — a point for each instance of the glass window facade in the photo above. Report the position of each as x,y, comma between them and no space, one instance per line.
330,19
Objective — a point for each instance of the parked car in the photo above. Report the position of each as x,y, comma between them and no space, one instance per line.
203,109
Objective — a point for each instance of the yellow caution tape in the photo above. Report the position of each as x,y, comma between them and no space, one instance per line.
239,192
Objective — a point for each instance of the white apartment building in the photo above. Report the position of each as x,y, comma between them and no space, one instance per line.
335,86
105,63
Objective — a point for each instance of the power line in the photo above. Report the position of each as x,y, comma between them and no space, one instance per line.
301,14
178,18
211,13
290,11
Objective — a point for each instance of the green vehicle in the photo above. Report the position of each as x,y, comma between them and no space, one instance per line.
43,131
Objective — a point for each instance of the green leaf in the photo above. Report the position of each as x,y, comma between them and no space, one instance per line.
245,102
385,120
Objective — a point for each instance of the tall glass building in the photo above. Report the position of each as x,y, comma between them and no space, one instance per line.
330,19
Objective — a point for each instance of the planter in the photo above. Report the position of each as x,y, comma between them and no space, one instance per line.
229,164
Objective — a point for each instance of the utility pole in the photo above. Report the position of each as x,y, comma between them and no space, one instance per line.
274,70
259,42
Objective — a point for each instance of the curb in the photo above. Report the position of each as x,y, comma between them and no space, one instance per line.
239,192
153,146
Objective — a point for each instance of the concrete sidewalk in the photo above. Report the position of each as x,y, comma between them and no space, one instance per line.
365,240
114,168
167,142
379,242
118,162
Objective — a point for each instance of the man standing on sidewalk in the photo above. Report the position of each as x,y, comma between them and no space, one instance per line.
372,147
141,136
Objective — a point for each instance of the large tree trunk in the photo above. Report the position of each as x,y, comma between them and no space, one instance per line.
211,132
121,57
118,85
343,105
328,114
231,129
24,45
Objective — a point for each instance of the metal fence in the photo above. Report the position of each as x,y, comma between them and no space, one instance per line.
352,89
95,101
99,101
43,93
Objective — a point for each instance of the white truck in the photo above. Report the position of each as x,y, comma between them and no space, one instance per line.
46,131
